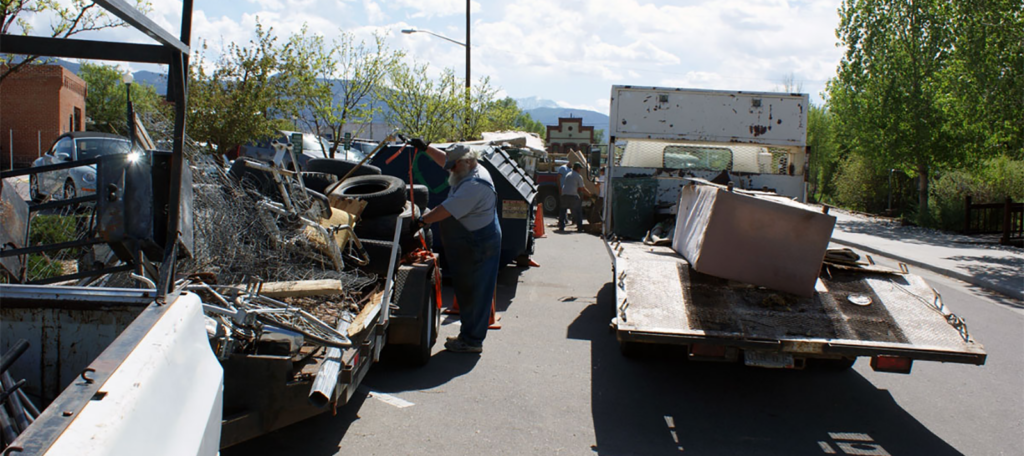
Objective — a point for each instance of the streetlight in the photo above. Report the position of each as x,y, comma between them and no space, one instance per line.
128,79
465,45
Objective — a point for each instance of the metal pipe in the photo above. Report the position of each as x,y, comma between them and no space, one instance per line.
10,434
12,355
20,416
326,380
29,405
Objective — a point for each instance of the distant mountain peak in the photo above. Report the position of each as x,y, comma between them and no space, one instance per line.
529,103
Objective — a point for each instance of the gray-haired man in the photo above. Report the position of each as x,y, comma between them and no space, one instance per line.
471,236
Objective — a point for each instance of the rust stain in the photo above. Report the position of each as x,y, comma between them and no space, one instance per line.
758,130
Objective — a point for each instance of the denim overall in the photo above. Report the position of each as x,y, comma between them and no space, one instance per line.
473,258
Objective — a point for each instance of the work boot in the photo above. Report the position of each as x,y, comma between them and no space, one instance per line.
457,345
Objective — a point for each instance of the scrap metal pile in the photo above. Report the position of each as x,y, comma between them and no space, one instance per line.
272,259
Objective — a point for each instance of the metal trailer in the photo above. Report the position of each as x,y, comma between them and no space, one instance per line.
516,190
131,371
660,299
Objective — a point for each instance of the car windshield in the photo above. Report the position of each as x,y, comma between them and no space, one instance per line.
96,147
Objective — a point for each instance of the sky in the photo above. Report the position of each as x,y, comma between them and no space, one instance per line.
567,51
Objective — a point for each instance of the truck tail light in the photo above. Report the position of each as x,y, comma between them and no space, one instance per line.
894,364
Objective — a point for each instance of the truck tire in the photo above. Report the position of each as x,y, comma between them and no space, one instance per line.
318,182
421,194
383,194
383,227
380,256
549,200
339,167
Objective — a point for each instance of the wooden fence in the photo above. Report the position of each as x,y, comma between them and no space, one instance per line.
1006,218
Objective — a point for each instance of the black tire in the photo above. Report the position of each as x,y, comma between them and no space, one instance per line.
421,195
33,188
254,179
419,355
339,167
380,256
383,194
318,182
549,200
383,227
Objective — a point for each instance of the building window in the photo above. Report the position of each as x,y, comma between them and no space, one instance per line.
77,122
570,127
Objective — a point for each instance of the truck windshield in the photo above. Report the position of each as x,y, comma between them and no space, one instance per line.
702,158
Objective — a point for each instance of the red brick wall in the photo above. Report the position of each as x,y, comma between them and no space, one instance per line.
36,105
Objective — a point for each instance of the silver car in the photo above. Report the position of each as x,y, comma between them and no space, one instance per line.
74,146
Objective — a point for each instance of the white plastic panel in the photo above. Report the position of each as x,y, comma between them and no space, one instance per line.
166,398
763,118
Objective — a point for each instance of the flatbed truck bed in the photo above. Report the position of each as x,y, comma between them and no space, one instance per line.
868,312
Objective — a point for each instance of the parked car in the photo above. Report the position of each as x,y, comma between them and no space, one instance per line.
74,146
263,150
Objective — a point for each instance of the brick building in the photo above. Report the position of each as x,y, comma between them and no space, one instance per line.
37,104
570,133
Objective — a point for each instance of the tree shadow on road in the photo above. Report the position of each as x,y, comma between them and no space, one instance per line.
660,404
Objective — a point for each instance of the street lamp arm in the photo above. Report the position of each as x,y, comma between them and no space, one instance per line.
411,31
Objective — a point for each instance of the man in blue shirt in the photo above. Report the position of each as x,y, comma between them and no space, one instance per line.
472,240
572,186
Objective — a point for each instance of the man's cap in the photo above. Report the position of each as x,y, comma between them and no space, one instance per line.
577,165
455,153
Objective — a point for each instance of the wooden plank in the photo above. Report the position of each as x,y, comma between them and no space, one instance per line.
365,317
301,288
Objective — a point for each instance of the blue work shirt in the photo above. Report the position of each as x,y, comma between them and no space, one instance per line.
472,202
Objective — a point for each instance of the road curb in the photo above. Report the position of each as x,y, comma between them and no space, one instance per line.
1015,294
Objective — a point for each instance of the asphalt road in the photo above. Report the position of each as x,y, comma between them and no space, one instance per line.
552,382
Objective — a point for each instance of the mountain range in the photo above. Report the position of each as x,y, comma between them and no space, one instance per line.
544,111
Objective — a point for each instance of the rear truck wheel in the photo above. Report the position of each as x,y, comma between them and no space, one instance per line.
550,201
318,182
383,194
414,324
339,167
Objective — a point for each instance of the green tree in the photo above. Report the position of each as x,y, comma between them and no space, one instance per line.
334,84
243,97
77,17
885,93
422,106
983,84
824,157
106,102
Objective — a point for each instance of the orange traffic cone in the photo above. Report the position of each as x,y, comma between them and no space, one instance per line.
538,222
492,323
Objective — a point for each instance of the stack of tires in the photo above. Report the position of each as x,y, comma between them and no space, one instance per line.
387,204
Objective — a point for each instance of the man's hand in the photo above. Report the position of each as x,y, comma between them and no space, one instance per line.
418,224
419,144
